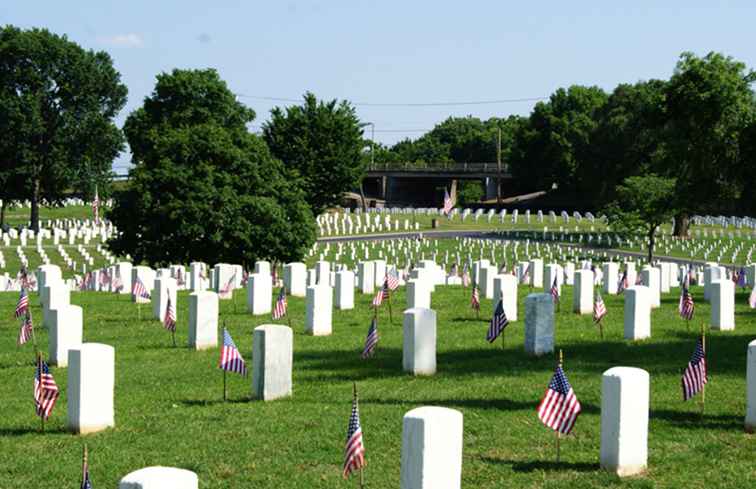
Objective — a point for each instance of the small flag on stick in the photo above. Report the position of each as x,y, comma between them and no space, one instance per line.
354,452
371,341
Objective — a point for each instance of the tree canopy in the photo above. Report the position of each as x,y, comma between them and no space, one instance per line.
57,105
321,145
203,187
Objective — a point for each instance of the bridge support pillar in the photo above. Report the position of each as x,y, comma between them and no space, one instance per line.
491,192
453,190
384,187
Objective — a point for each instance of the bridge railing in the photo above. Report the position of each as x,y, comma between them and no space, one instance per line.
444,167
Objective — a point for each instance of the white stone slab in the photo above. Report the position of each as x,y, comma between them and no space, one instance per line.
750,419
505,289
637,313
418,294
611,277
366,277
147,276
259,293
432,449
90,390
272,359
203,320
165,288
295,279
624,420
344,290
486,280
419,341
582,292
536,272
66,325
652,279
319,310
160,478
723,305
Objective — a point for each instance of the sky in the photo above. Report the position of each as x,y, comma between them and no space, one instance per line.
396,52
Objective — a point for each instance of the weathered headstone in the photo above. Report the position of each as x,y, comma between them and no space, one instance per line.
539,324
624,420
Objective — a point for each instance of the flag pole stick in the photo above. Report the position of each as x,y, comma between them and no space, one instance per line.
85,458
224,370
561,359
173,337
703,387
391,314
601,329
354,393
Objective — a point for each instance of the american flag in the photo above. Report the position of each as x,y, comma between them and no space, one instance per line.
96,206
599,308
741,278
86,281
498,323
372,339
555,290
392,277
622,284
226,290
525,279
104,279
280,308
245,278
27,330
448,204
694,375
139,290
354,452
45,390
169,322
382,294
559,407
475,299
22,306
466,275
230,359
686,305
117,283
752,298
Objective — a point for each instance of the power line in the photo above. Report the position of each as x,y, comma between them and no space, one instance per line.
407,104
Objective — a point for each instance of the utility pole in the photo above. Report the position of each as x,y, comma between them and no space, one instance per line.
498,166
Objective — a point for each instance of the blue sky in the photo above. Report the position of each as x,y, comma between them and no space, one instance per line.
397,51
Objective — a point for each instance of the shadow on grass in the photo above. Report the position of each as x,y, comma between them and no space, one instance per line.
214,402
544,465
34,430
691,418
477,403
471,320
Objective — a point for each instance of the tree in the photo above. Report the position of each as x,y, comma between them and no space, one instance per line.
203,187
321,144
643,204
57,105
709,103
556,142
469,192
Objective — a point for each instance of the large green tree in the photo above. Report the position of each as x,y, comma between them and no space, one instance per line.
555,144
321,145
709,102
203,187
57,105
643,204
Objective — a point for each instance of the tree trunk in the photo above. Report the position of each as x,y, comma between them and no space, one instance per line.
2,213
34,219
362,195
682,225
651,241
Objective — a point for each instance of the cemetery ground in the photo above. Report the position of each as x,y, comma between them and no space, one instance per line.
169,409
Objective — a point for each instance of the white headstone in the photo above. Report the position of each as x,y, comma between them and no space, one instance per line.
90,390
536,272
505,289
432,449
319,310
272,358
637,312
196,271
418,294
611,277
539,324
203,320
651,277
750,419
582,292
295,279
344,290
379,272
419,341
160,478
259,293
723,304
487,275
66,325
624,420
165,288
712,272
147,276
366,277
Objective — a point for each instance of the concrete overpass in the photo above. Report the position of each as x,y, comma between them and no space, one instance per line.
422,184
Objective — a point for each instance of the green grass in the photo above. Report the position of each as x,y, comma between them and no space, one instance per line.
19,216
168,408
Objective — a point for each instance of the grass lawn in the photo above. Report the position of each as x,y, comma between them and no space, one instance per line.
19,216
169,410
